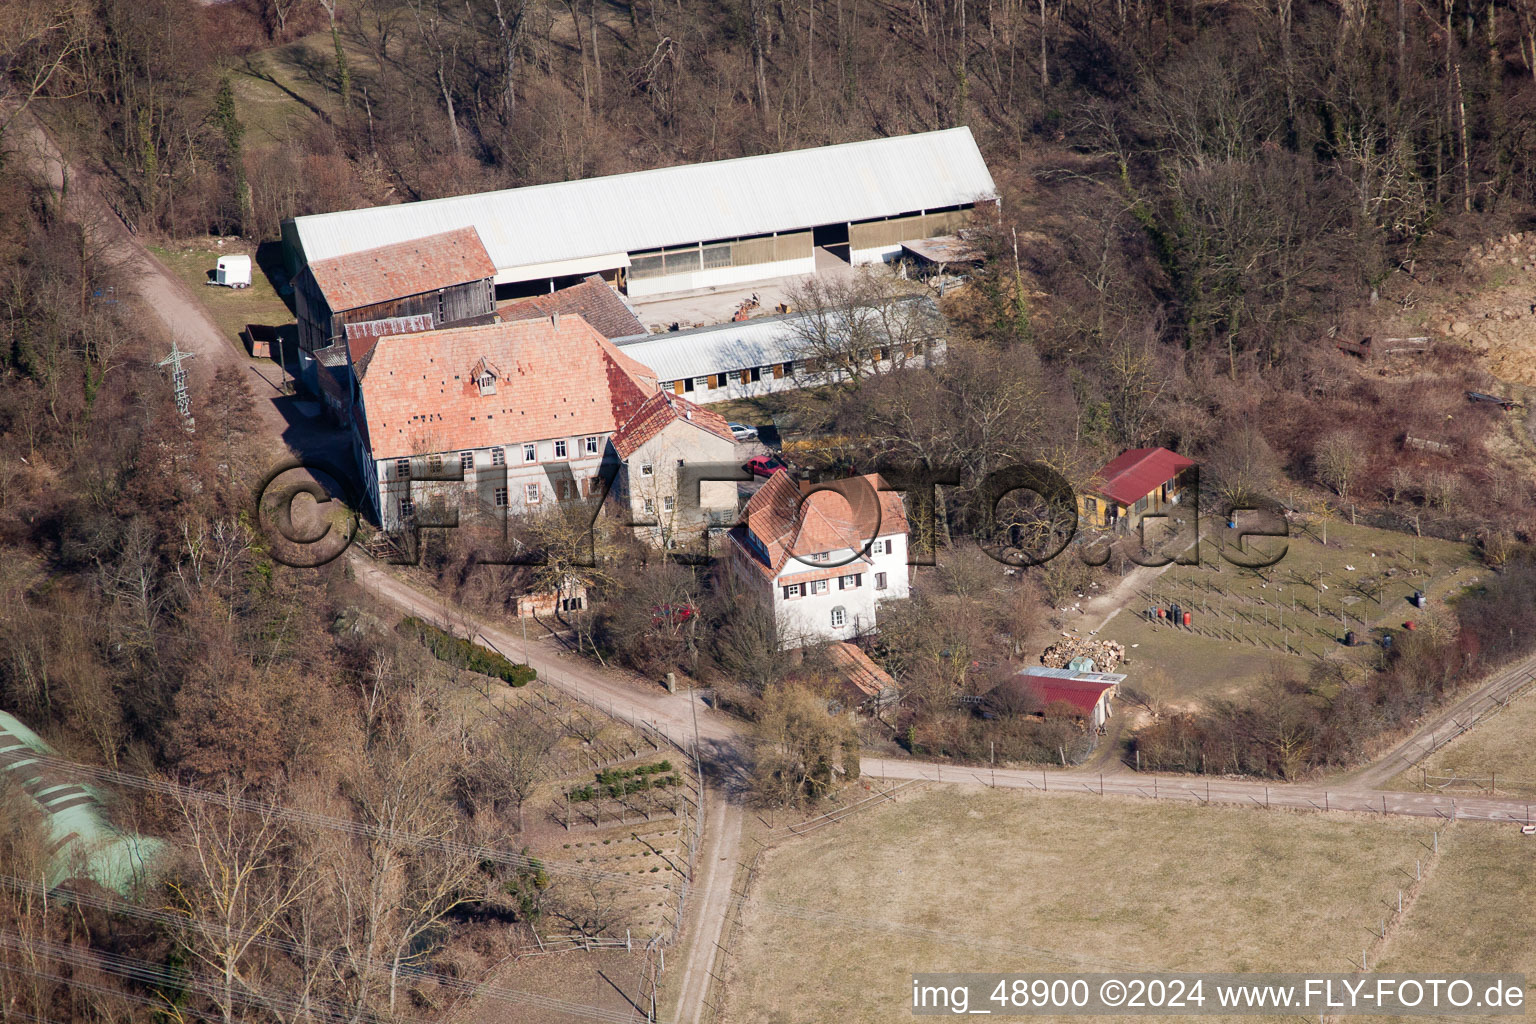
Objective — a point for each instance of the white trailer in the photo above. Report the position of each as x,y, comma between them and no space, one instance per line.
233,272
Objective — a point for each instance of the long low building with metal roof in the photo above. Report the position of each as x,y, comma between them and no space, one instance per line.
690,227
794,350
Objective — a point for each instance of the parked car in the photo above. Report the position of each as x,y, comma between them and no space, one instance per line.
671,614
766,465
742,432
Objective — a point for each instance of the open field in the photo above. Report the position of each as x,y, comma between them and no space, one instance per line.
231,308
980,880
1246,622
1498,752
1474,912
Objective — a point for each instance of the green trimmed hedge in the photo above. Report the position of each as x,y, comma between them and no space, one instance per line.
447,647
619,782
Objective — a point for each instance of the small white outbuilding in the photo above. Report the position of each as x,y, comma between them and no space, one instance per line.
233,272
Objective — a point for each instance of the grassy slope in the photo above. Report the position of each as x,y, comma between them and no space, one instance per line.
1503,744
1162,886
1203,666
232,309
1474,912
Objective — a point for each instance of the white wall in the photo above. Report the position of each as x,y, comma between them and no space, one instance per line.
646,287
810,615
799,379
883,254
694,445
390,489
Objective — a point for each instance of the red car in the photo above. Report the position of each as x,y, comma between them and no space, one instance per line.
671,614
766,465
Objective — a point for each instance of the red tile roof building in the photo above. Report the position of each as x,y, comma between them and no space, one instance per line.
446,278
860,682
665,434
594,300
526,408
822,556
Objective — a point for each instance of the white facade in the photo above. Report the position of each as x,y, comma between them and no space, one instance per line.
648,484
497,478
724,362
832,595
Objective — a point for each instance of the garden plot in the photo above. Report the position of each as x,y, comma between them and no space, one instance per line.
1244,622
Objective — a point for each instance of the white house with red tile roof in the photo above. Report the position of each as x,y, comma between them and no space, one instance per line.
526,410
654,445
823,556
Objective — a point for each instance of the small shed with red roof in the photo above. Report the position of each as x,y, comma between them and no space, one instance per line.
1135,483
1040,690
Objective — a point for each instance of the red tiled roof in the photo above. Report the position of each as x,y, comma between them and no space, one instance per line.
1082,694
1134,474
858,671
593,300
841,514
552,382
660,411
405,268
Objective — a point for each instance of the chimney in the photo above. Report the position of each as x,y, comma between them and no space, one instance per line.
554,320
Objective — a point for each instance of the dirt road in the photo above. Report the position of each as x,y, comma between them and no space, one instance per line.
167,300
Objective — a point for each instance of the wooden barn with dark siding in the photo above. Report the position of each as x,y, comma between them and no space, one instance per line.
442,280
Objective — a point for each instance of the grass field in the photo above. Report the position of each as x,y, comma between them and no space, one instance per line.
1474,912
1497,752
1247,622
231,308
977,880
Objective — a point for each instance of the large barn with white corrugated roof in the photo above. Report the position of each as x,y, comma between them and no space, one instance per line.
691,227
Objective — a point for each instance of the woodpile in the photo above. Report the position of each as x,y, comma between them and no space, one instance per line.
1106,654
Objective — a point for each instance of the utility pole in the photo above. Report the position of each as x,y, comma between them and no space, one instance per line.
179,381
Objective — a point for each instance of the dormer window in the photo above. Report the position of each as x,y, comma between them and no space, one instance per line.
485,377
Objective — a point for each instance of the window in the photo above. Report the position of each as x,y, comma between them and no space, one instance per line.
888,545
530,453
498,456
650,506
879,581
407,508
849,582
466,461
646,469
564,489
668,503
435,463
559,449
817,587
501,497
839,617
591,444
700,383
679,463
402,469
487,383
822,556
793,590
531,493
